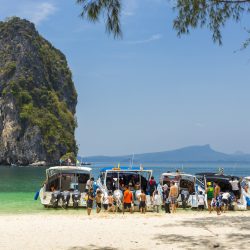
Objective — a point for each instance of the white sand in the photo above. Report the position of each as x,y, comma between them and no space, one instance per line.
184,230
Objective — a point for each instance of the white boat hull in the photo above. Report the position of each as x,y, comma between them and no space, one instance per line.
45,198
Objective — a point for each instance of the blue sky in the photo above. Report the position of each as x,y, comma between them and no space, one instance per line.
150,91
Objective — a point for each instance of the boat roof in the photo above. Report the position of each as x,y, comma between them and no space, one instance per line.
69,168
217,176
210,174
175,174
124,169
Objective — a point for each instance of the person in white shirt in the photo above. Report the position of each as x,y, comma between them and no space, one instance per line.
165,192
225,201
105,201
157,201
89,184
201,201
235,187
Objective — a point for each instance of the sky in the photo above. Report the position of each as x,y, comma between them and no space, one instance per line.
151,90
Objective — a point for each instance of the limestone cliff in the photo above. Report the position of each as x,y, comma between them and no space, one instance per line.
37,97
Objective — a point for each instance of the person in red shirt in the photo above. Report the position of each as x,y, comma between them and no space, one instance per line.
127,200
152,188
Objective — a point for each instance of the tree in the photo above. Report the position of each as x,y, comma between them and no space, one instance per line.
212,14
110,9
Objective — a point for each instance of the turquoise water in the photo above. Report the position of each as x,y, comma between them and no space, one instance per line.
19,184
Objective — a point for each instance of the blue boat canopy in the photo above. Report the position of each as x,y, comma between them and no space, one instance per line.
122,168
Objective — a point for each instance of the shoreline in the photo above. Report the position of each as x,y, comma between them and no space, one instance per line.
83,212
183,230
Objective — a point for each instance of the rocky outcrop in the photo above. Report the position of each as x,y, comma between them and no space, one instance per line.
37,97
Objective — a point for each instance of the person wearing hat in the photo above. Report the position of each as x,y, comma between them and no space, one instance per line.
210,195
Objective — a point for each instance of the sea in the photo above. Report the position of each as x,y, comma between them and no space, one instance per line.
18,185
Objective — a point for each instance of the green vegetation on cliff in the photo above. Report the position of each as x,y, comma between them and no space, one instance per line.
37,77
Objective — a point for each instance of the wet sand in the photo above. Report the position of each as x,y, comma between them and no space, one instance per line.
184,230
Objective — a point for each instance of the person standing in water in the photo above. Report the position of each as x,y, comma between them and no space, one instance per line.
173,195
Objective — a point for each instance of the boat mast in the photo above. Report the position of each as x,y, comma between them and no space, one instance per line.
132,161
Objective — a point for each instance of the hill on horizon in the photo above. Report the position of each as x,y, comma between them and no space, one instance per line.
187,154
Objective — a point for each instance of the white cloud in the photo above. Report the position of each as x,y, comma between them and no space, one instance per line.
128,13
199,124
129,7
154,37
35,11
38,12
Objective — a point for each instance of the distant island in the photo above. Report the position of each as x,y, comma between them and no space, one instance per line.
187,154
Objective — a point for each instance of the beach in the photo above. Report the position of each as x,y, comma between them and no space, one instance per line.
183,230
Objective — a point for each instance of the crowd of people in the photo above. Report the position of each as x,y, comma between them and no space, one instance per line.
111,203
166,197
221,201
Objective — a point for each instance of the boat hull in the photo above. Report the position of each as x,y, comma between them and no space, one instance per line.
45,198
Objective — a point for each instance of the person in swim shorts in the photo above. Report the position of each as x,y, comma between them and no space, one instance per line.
218,198
98,200
142,205
111,202
173,195
90,200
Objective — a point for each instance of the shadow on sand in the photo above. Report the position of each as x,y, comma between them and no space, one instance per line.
240,239
92,247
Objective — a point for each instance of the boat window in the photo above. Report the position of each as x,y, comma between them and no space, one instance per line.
224,184
67,181
102,176
166,179
188,185
118,180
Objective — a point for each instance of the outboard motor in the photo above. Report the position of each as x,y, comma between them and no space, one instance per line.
55,197
118,198
76,198
184,198
65,198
